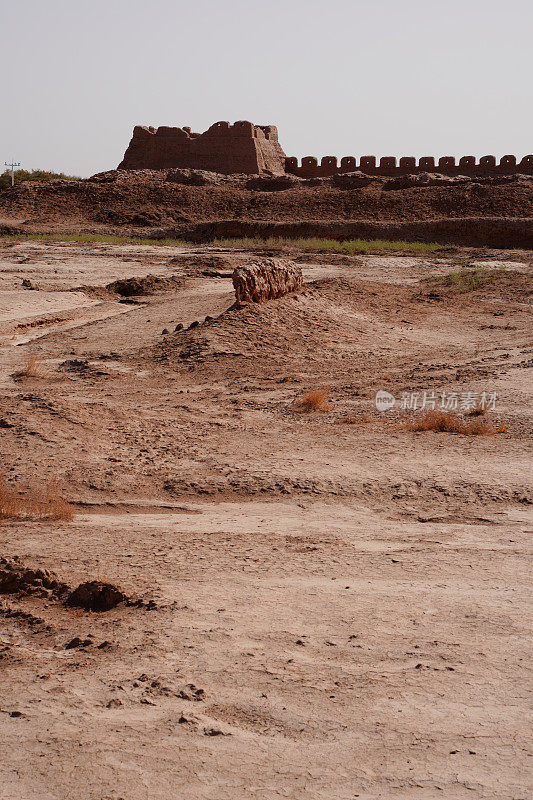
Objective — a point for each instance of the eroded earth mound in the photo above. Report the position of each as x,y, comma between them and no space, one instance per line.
265,279
201,206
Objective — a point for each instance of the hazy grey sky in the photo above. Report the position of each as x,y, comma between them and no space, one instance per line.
342,77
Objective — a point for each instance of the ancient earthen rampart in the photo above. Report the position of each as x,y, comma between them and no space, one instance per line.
229,149
254,149
266,279
407,165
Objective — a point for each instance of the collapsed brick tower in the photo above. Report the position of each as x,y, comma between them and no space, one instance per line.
239,148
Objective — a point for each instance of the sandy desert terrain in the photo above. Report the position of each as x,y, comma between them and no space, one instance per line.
331,605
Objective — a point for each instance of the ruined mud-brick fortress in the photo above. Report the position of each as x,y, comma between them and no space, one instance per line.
255,150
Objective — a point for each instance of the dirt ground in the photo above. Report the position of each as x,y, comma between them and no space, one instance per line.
334,606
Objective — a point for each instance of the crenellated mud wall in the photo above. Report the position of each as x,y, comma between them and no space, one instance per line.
389,166
224,148
245,148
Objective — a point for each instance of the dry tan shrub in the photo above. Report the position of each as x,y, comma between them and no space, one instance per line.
315,400
447,422
478,411
356,419
10,502
32,368
45,504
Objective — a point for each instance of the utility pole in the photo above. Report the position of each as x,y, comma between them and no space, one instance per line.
12,167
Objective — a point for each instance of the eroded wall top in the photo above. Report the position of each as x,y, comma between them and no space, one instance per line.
254,149
239,148
309,166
